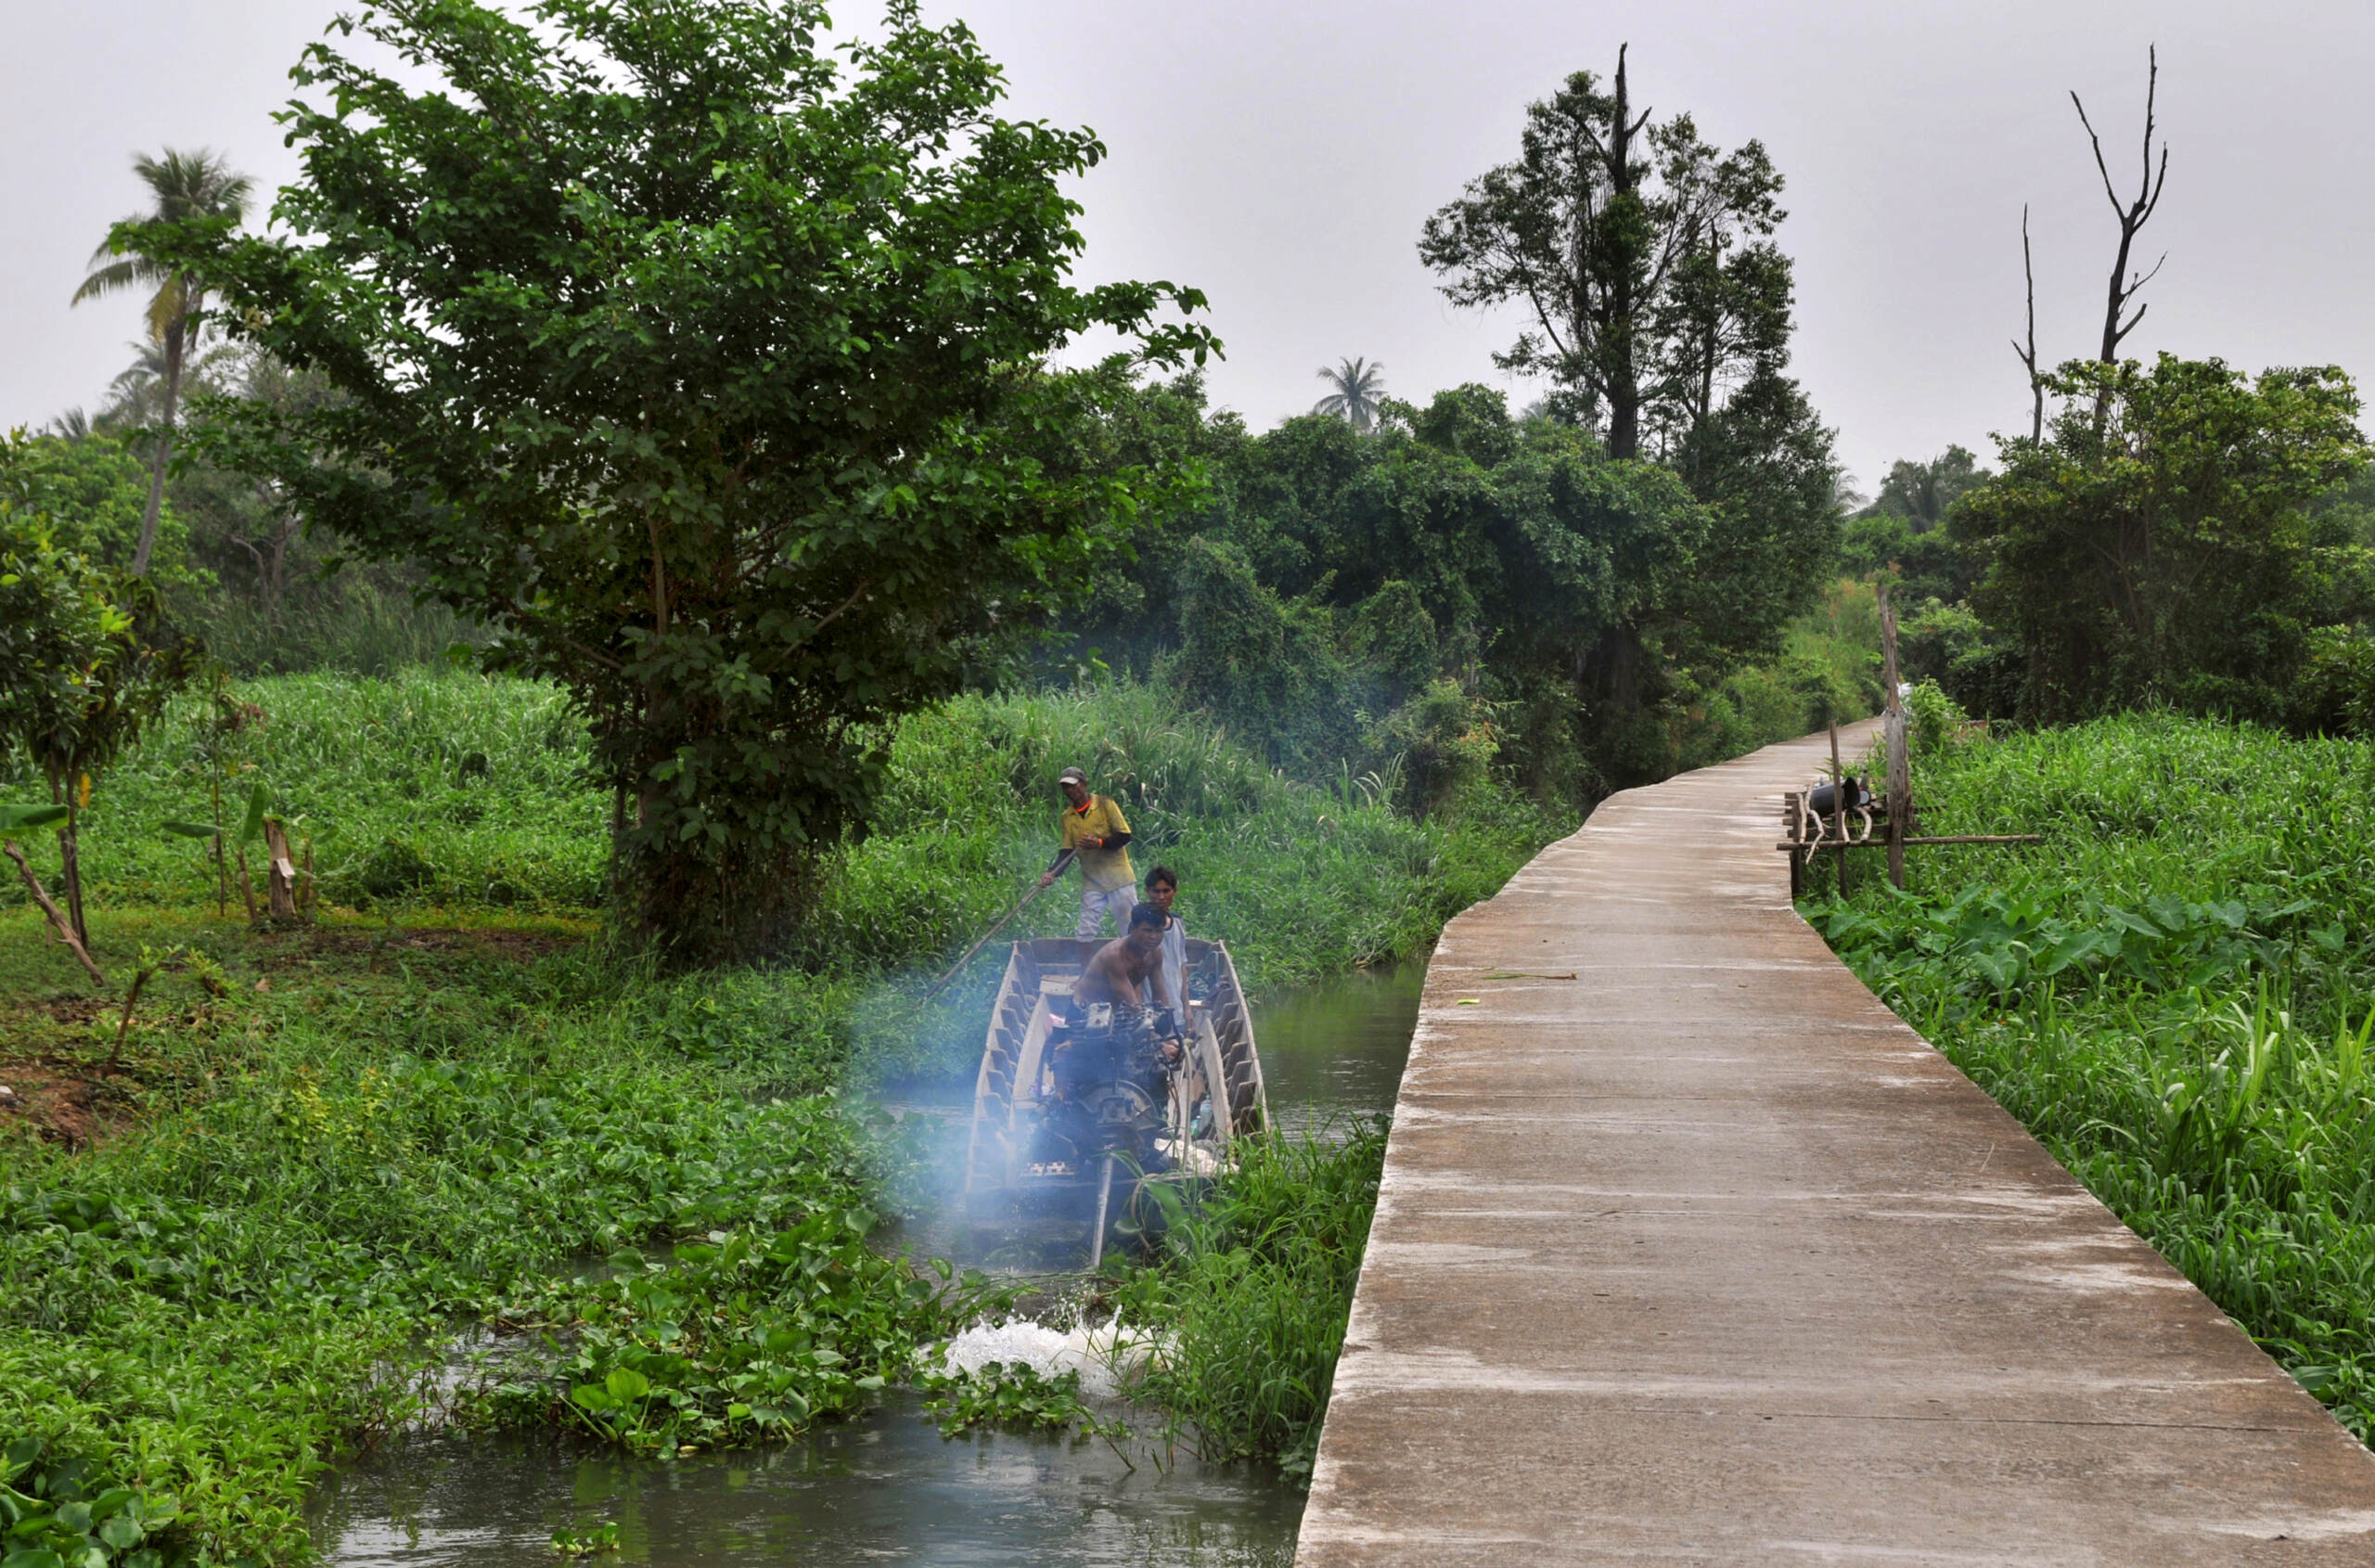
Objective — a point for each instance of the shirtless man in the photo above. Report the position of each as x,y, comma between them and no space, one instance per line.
1127,971
1122,976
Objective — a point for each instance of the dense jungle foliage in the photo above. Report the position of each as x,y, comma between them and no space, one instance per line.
2181,534
2175,993
1456,575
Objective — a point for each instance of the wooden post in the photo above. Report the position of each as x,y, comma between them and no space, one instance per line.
280,872
1797,861
1839,805
1897,732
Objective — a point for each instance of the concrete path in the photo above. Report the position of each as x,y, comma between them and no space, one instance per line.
1701,1256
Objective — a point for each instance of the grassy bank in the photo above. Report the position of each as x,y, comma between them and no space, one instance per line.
2173,994
1253,1286
227,1249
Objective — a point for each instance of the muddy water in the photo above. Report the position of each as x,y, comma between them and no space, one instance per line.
1337,1048
889,1488
885,1489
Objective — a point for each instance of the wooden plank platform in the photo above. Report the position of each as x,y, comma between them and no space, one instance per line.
1703,1256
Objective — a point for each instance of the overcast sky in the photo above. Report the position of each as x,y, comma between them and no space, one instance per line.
1281,155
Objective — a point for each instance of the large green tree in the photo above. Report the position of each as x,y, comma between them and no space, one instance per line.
1516,555
707,369
2161,544
1639,251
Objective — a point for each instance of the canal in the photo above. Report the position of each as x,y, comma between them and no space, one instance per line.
889,1488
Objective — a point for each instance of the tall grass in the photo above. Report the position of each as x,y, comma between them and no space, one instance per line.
439,788
356,626
431,786
1255,1283
2175,994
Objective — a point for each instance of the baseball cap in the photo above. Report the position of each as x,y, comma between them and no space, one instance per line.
1071,775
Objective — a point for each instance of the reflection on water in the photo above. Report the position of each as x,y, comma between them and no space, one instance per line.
1339,1046
885,1489
889,1488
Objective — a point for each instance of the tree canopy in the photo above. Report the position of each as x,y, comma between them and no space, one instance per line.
707,369
1640,252
1923,492
1330,582
2163,542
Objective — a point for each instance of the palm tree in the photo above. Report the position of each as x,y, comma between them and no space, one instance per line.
1358,385
186,184
137,396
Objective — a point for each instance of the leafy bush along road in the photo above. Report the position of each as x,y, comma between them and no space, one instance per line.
320,1146
2176,995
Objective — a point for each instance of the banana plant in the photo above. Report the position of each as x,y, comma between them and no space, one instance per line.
15,819
249,831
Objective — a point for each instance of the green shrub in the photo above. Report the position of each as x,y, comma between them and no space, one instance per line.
1946,643
1440,745
2335,694
1936,722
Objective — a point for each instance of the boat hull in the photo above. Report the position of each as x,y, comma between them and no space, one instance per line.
1007,1168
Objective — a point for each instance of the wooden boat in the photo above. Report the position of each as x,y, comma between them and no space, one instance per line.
1214,1097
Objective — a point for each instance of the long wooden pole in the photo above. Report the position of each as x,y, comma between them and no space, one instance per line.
1062,861
1918,841
1894,730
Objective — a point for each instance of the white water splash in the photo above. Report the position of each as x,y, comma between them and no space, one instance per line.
1105,1357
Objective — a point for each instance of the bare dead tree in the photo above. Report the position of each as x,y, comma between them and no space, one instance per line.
2028,351
2132,216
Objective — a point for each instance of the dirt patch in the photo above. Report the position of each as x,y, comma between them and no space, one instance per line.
518,945
75,1009
62,1104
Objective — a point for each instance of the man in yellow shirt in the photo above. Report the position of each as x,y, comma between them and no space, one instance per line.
1097,833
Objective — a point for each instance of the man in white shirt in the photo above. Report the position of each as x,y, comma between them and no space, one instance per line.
1163,886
